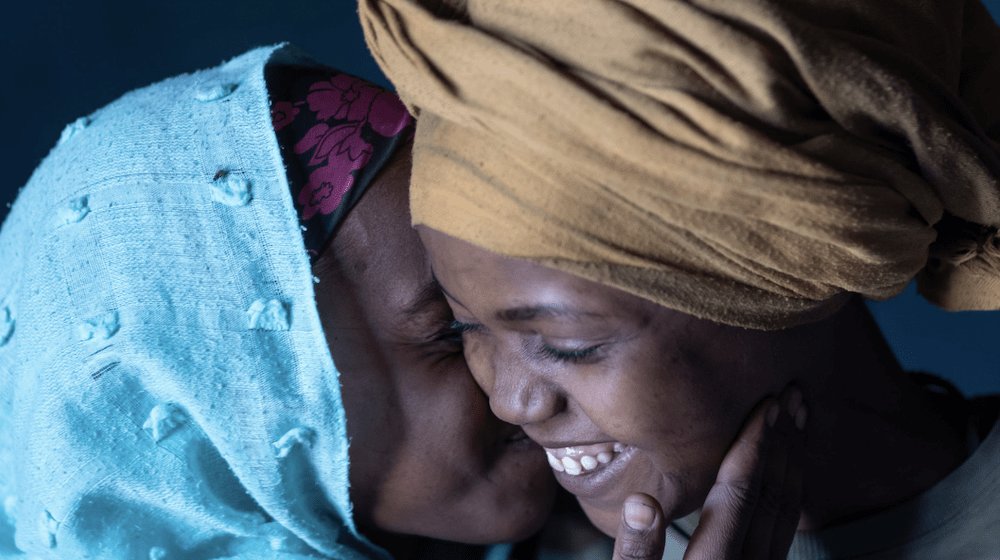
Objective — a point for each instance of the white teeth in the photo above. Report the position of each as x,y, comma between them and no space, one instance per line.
571,466
578,460
554,463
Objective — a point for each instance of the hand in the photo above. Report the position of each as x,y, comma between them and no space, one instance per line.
641,530
752,510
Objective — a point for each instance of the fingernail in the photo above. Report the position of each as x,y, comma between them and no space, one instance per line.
794,401
772,414
800,418
639,516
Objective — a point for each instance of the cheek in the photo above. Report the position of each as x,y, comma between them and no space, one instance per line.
684,393
456,485
478,357
680,422
417,496
635,400
442,453
506,504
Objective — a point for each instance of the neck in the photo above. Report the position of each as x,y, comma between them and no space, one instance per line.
874,437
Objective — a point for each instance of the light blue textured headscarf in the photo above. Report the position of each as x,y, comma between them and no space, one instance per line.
165,386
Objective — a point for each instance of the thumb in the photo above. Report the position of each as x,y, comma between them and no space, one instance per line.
641,531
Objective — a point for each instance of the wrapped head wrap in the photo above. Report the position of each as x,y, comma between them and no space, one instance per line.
748,162
166,388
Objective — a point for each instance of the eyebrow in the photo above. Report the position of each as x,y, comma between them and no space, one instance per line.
528,312
531,313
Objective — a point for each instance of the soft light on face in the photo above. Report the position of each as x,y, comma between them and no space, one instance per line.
624,394
427,455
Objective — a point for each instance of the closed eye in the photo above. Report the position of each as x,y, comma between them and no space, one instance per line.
571,356
444,344
456,329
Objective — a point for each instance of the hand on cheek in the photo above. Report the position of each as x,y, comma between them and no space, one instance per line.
753,509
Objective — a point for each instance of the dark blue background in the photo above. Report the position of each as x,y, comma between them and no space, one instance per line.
67,58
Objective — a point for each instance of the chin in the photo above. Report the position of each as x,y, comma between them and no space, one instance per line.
606,521
605,511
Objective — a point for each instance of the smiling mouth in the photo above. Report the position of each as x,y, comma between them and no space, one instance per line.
593,470
583,459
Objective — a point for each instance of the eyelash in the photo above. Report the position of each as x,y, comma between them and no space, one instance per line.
457,328
571,356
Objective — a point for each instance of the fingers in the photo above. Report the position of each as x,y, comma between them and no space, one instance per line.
753,509
729,508
641,531
776,516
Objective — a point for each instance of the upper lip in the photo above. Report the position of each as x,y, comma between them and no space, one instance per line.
551,444
592,438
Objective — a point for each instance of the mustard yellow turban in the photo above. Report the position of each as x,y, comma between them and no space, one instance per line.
750,162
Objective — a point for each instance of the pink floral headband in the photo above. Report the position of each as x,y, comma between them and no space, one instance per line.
336,132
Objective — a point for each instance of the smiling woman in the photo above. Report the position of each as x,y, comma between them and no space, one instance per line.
652,218
627,395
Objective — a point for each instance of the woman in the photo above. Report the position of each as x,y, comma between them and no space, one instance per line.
608,190
211,289
202,316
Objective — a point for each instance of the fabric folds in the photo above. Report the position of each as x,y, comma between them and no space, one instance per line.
747,162
166,390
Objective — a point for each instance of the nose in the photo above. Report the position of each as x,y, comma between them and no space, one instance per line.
522,396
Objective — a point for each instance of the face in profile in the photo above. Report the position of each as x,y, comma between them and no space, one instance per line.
428,457
624,395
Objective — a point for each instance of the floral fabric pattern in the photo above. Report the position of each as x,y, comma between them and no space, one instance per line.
282,113
335,131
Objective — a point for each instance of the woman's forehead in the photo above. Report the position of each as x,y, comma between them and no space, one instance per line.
551,298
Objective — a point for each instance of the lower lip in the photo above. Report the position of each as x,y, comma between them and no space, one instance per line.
596,483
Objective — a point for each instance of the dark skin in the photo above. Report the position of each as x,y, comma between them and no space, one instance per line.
429,458
575,362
